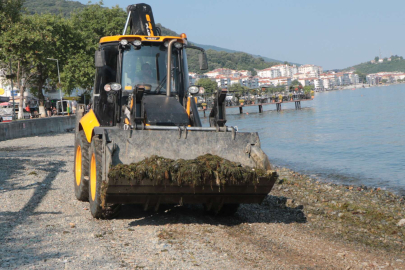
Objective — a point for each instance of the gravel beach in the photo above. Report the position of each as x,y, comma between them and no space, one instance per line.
302,224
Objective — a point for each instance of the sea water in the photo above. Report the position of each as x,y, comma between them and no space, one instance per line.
354,137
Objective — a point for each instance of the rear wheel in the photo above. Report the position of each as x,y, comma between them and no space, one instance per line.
81,167
98,210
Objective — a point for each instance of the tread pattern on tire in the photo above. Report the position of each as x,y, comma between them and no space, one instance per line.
82,191
110,210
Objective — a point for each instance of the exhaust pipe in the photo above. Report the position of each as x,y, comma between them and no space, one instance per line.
169,67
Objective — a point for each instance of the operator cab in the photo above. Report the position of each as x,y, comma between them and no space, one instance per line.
140,75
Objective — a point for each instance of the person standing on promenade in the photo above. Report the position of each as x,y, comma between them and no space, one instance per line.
68,108
74,106
48,107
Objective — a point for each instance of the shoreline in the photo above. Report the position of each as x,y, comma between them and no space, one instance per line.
397,190
357,214
359,86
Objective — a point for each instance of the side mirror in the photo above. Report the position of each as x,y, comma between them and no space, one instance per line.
202,57
99,59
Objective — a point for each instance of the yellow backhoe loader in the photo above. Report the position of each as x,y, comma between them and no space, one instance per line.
143,107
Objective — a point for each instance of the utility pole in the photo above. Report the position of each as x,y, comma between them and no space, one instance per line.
12,90
60,89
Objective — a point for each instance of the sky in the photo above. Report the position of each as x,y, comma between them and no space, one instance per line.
333,34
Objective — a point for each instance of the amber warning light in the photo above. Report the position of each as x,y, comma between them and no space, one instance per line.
183,36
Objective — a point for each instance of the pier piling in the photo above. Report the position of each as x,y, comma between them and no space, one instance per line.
260,108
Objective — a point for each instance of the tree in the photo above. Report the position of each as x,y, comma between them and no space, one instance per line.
295,82
34,39
10,12
238,89
209,86
308,89
93,22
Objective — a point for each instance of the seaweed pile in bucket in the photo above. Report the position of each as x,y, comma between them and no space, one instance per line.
204,170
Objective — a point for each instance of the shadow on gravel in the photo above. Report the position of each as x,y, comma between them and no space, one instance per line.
14,160
272,210
11,220
20,253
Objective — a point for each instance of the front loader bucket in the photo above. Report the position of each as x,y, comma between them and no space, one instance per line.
130,146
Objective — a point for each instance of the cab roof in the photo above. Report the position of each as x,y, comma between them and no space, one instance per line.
141,38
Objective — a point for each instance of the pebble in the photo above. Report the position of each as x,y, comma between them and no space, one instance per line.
401,223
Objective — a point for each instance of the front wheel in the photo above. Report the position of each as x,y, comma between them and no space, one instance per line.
81,167
98,208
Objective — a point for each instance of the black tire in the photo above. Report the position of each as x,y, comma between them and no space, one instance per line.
97,210
80,181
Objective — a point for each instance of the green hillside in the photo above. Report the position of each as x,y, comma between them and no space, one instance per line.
397,63
52,6
222,58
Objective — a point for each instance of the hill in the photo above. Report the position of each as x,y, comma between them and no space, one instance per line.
52,6
397,63
223,58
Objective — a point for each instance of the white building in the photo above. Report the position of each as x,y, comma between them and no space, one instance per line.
280,81
245,73
249,81
219,71
269,73
278,71
310,68
318,84
222,81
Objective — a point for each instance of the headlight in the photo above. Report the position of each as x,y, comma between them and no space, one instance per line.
178,45
112,86
124,42
137,42
166,44
115,86
193,90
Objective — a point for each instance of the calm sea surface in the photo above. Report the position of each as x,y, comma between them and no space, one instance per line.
346,136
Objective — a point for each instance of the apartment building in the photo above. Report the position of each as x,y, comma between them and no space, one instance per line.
249,81
310,69
222,81
269,73
245,73
280,81
278,71
219,71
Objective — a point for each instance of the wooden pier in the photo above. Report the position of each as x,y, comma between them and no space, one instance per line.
260,105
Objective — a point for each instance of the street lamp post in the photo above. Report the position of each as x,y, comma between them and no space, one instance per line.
12,90
60,89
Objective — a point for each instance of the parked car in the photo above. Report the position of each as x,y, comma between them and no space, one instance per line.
6,112
62,110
